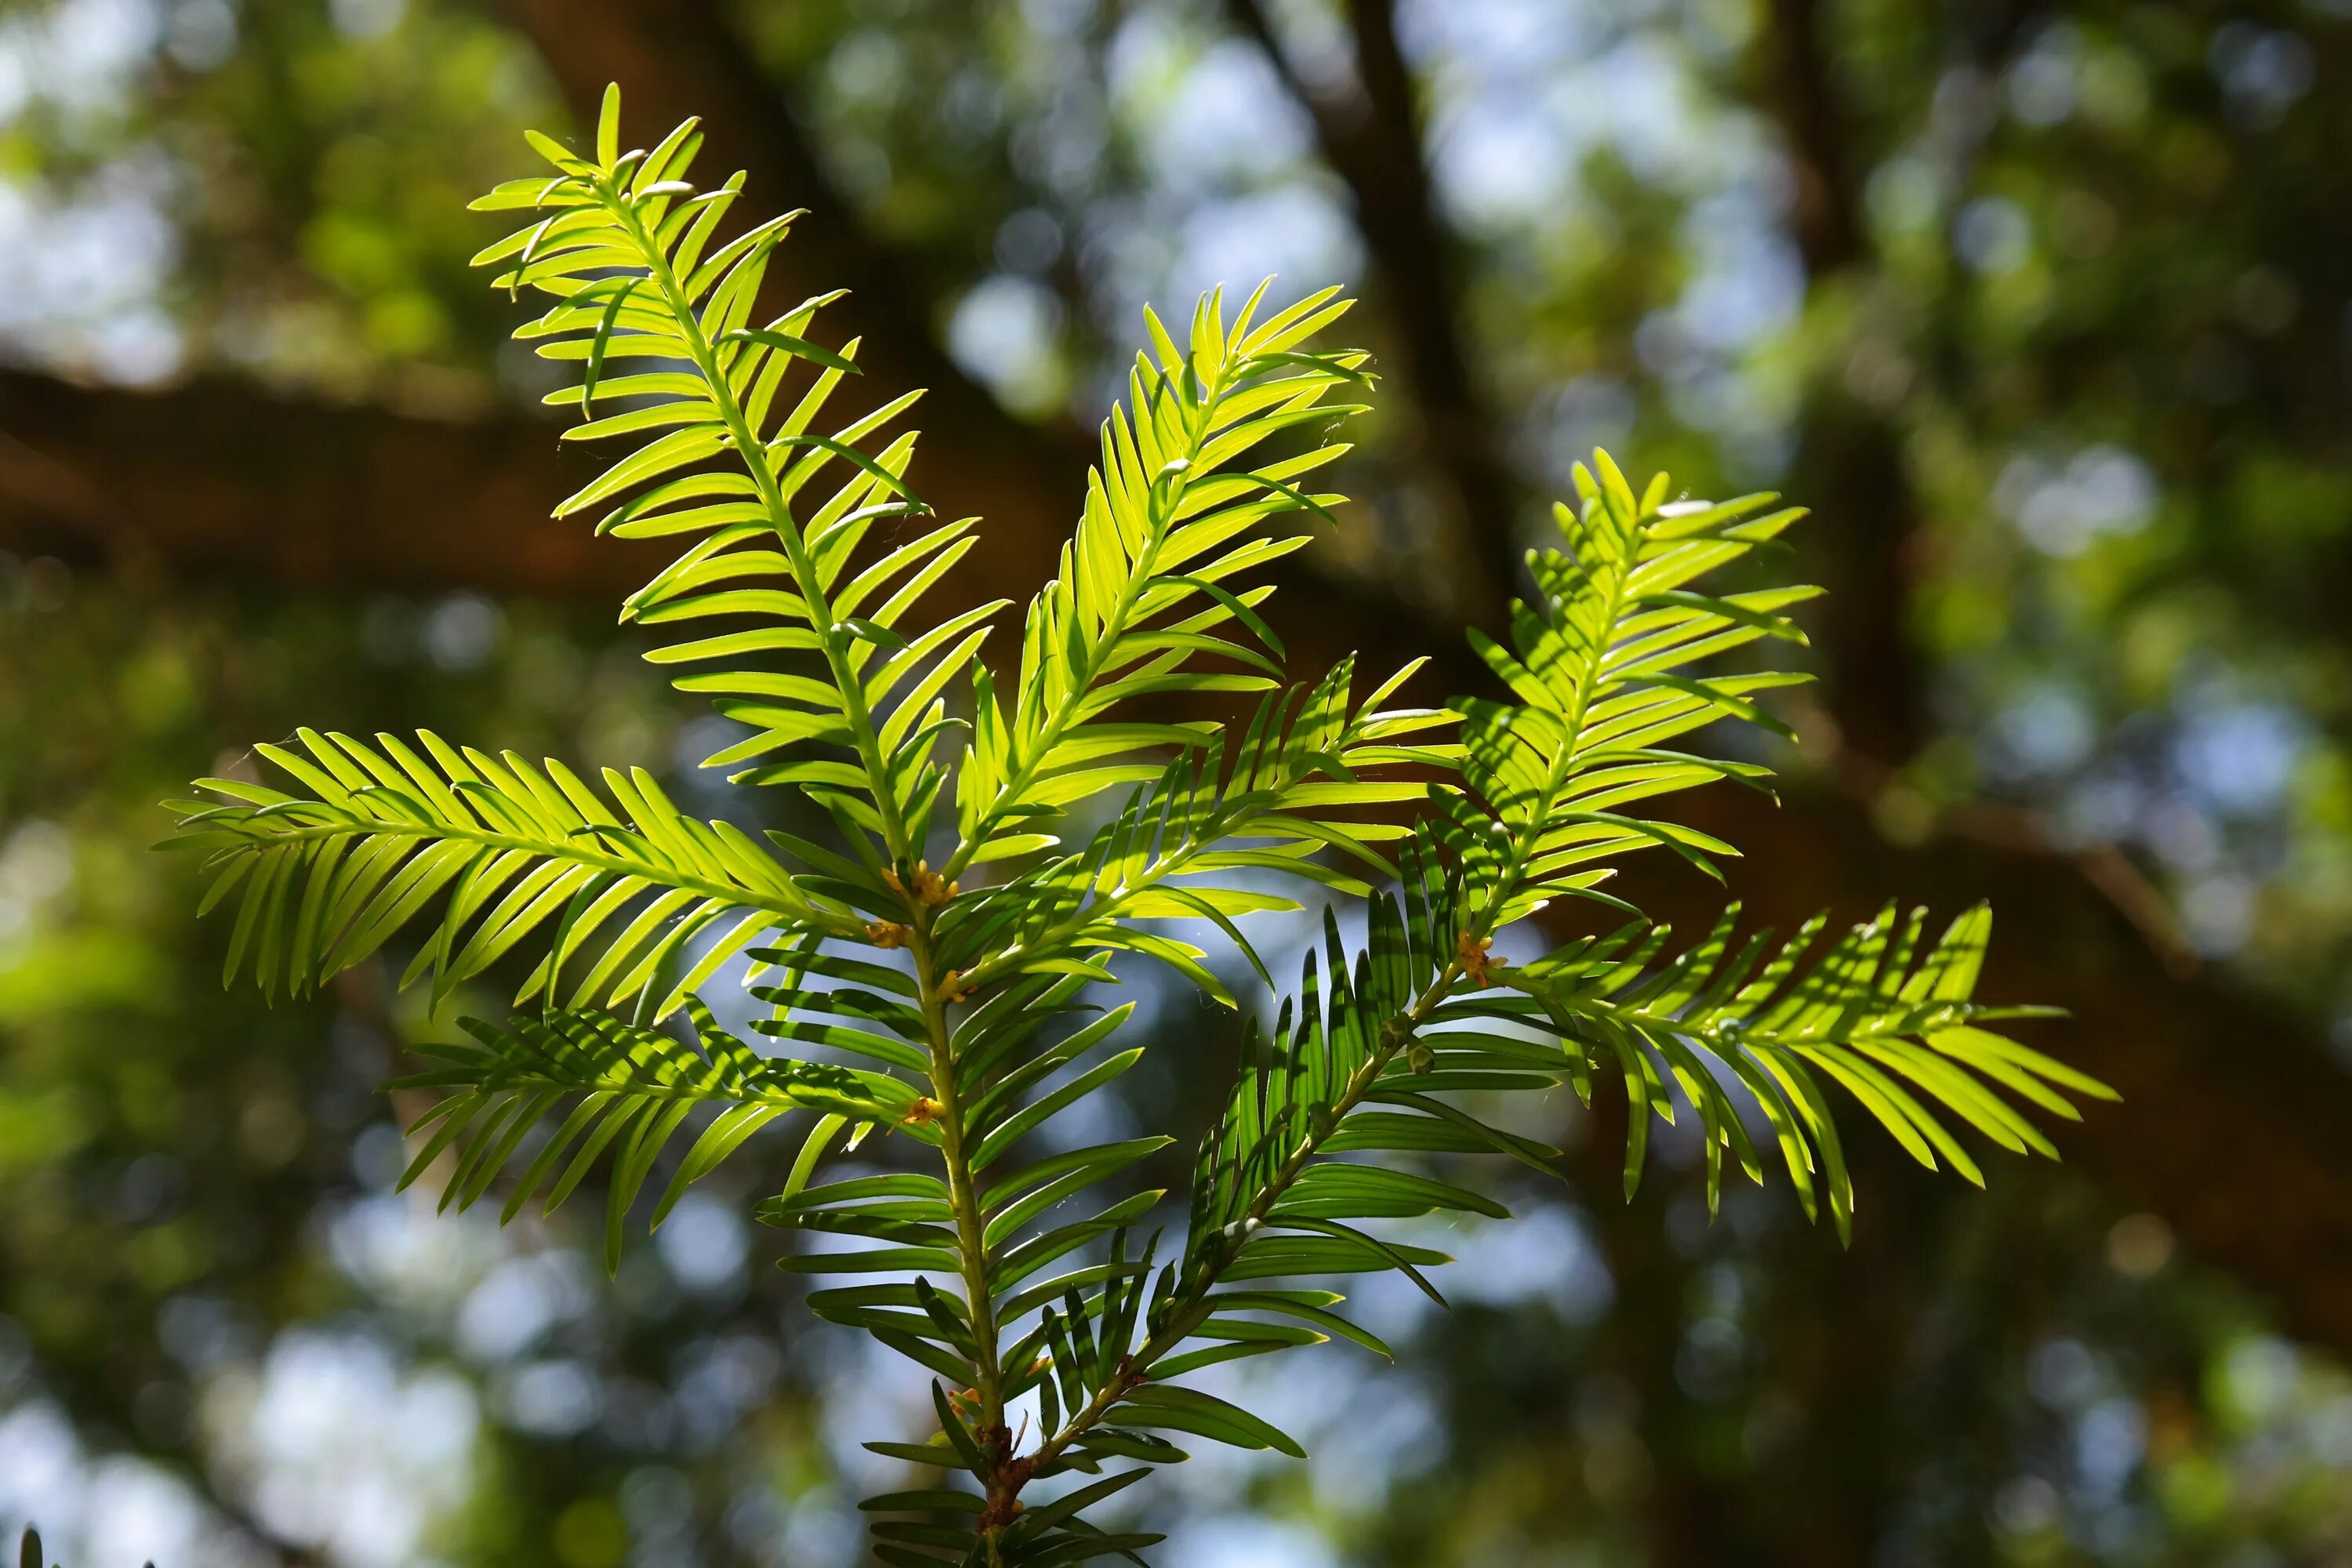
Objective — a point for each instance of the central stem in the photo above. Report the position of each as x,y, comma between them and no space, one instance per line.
971,1234
972,1251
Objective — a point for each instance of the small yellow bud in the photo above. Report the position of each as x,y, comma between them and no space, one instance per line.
1472,952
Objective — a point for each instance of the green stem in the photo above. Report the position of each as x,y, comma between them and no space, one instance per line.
865,738
971,1250
1563,766
572,854
1114,627
1198,1304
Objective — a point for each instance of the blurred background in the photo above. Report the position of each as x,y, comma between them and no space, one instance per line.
2046,308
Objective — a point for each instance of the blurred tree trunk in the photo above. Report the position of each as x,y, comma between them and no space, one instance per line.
1371,133
1864,544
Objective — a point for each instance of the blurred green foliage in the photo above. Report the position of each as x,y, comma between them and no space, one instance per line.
2102,300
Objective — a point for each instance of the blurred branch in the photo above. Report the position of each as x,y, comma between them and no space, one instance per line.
218,478
1370,133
